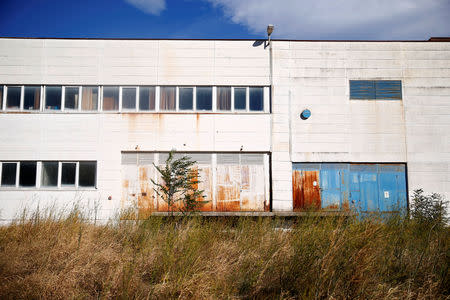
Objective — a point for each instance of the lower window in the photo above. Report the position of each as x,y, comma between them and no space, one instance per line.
53,174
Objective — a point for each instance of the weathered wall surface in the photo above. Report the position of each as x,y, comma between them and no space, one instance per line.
315,75
102,136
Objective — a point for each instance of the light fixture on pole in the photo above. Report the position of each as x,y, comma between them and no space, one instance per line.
269,31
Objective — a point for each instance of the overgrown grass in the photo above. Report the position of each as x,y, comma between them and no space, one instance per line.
161,258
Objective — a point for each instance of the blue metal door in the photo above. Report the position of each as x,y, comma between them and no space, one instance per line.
356,186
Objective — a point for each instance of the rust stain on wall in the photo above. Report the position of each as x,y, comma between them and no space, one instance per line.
145,196
306,191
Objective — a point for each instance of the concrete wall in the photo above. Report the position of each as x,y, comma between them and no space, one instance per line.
313,75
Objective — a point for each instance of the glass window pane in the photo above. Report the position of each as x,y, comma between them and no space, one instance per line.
224,98
240,96
147,98
256,99
49,173
129,98
87,173
68,173
110,98
27,174
167,101
186,98
9,174
89,98
204,98
13,97
1,97
32,97
71,98
53,97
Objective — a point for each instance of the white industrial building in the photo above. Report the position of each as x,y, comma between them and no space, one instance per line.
275,128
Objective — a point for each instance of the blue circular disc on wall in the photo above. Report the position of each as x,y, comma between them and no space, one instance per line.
305,114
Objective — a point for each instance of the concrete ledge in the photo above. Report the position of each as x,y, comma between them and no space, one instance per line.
259,214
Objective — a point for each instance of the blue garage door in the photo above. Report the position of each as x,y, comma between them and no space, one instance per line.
344,186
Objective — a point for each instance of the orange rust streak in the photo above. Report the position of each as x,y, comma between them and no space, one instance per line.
145,197
306,195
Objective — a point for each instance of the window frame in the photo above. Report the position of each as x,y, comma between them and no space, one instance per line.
21,96
136,99
61,108
157,90
38,177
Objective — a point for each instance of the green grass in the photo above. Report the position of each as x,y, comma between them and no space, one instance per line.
164,258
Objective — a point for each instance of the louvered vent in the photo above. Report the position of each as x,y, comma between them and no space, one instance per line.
129,158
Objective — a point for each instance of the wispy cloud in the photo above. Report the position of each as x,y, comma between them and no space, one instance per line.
153,7
342,19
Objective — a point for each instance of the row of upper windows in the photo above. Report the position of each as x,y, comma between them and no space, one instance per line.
133,99
48,174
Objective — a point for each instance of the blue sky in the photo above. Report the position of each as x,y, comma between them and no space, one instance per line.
293,19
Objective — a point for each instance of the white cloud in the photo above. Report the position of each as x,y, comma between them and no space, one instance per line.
342,19
153,7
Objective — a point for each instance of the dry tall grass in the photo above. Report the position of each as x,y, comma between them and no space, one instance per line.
223,258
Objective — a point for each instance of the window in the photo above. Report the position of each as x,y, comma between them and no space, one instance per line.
167,101
53,174
204,98
9,174
376,89
27,174
32,98
53,97
87,173
110,98
128,98
240,96
224,98
89,100
49,176
256,99
71,98
13,97
186,98
68,174
146,98
1,97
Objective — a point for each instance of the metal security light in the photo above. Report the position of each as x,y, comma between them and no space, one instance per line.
270,28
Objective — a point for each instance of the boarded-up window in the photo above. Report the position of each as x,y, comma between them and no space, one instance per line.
186,98
128,98
111,98
13,97
27,174
147,98
32,98
89,98
256,99
49,174
240,96
71,98
224,98
9,174
53,97
167,101
204,98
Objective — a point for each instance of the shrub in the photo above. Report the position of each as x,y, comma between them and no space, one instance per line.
429,209
180,184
